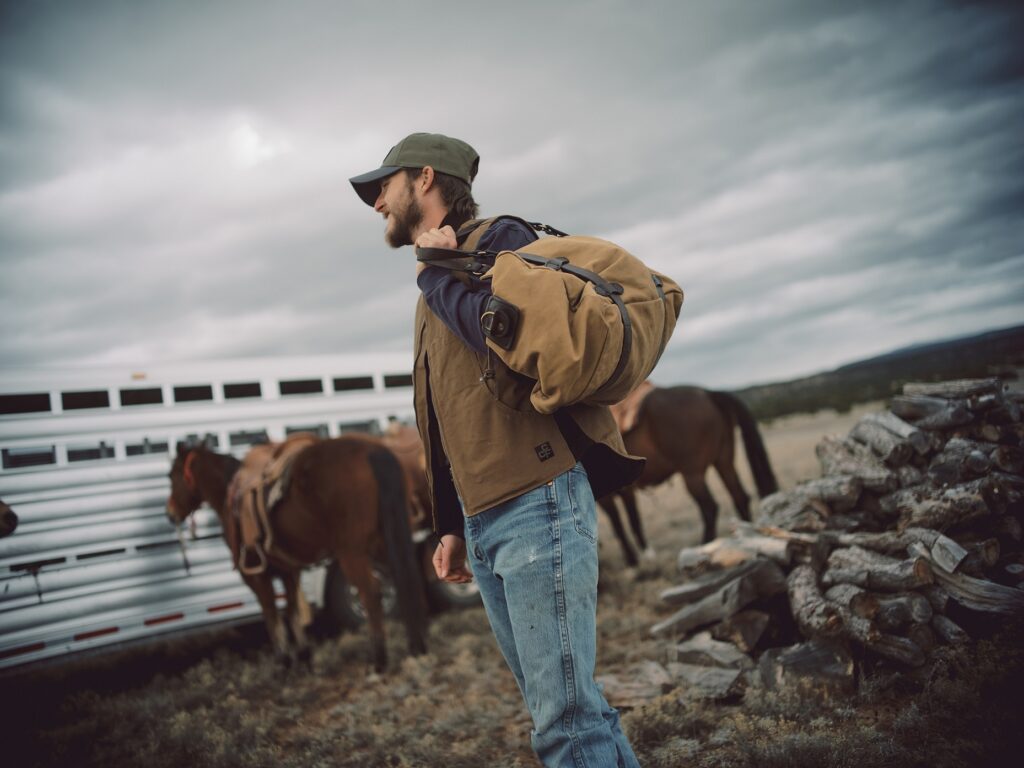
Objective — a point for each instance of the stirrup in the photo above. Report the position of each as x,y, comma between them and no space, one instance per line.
257,569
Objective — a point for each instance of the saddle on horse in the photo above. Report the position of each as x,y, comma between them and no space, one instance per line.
259,485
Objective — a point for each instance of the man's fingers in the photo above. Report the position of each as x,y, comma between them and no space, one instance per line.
441,563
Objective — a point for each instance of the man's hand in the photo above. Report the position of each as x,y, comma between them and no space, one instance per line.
450,560
435,238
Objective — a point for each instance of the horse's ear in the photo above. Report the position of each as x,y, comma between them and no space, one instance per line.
182,448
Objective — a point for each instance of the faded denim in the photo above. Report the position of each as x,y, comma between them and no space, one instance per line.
535,560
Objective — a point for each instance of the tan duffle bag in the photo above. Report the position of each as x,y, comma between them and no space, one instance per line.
584,318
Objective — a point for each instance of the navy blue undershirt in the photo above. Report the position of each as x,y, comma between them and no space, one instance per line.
458,305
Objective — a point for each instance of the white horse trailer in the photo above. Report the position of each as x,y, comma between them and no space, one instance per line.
84,459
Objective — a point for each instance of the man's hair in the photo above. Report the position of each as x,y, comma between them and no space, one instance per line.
455,194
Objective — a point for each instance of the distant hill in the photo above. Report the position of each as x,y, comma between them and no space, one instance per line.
995,353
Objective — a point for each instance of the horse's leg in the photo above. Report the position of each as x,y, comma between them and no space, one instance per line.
263,586
708,508
628,496
297,614
612,510
727,472
358,569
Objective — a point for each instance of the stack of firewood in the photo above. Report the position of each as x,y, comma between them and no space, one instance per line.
911,539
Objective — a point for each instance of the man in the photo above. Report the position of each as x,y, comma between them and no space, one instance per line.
511,488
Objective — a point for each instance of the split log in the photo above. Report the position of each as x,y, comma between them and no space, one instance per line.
703,585
855,565
816,669
976,594
815,616
706,682
950,418
948,631
945,550
858,601
956,505
839,492
899,610
793,511
951,390
920,441
839,456
981,555
916,407
726,552
744,630
937,597
765,580
703,650
960,460
894,451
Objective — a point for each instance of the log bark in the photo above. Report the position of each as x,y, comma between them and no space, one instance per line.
920,441
894,451
950,418
916,407
981,555
839,492
820,670
703,585
744,630
949,631
728,552
765,580
863,568
900,610
815,616
703,650
793,511
856,600
976,594
951,390
945,550
922,636
839,456
937,597
959,461
955,505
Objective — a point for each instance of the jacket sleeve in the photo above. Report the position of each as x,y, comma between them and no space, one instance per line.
457,305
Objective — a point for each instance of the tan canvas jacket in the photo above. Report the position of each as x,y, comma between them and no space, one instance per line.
497,444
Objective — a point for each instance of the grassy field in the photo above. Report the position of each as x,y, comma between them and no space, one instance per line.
220,700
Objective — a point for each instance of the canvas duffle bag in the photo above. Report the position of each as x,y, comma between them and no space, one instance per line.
582,317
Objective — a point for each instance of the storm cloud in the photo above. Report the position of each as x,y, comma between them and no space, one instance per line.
826,181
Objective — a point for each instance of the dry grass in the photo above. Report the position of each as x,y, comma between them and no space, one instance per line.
220,700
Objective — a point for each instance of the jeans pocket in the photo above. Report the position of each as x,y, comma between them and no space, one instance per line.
581,504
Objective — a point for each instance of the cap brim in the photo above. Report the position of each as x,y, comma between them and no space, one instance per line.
367,186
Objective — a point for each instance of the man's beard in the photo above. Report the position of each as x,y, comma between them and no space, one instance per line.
403,222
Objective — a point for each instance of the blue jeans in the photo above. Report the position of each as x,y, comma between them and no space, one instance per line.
535,560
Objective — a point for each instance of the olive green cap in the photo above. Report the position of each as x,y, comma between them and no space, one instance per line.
442,153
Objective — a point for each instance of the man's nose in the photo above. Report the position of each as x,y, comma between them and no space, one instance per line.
379,202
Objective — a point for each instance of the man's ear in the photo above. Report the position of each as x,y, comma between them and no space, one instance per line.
426,179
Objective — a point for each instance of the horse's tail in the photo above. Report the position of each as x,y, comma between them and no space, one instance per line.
757,456
393,519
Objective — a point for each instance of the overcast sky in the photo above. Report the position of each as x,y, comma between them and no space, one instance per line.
827,181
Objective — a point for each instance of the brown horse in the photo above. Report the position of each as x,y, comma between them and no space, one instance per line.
345,499
8,520
687,429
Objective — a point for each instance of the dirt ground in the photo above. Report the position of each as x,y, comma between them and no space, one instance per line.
220,700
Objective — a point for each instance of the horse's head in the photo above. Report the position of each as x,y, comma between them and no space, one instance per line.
8,520
185,496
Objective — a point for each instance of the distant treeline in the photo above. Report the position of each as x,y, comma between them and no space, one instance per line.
995,353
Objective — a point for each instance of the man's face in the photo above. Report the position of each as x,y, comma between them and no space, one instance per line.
401,210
